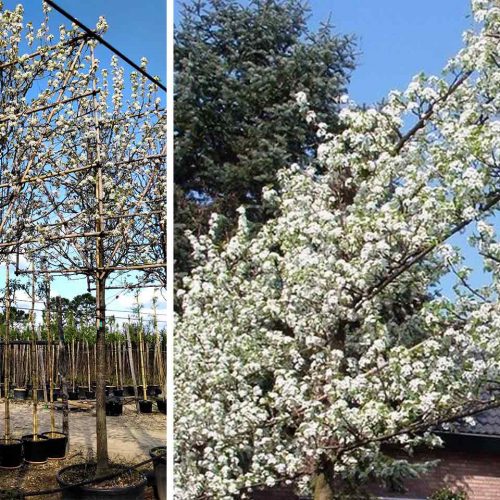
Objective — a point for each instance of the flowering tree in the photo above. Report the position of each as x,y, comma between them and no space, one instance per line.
28,121
307,343
105,213
82,167
28,117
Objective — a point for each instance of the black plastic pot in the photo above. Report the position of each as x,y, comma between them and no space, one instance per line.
11,453
162,406
72,395
159,453
114,408
153,390
145,406
35,452
20,394
118,393
93,492
89,394
39,393
129,390
56,445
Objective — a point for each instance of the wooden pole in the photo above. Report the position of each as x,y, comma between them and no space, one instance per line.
120,365
50,348
141,349
63,369
7,351
88,363
41,363
158,350
131,360
34,377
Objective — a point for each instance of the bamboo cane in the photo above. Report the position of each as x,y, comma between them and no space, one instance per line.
41,363
141,349
73,363
6,363
88,362
120,365
34,374
131,360
51,358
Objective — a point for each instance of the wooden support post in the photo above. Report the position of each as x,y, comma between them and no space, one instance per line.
131,360
63,370
34,376
7,354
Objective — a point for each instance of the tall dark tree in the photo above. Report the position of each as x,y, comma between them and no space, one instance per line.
83,308
238,68
16,316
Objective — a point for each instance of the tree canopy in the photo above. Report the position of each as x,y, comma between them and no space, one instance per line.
308,342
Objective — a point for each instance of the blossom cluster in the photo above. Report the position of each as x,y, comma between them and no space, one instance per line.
319,335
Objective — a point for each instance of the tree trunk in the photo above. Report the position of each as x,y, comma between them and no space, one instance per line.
322,490
34,376
63,358
323,480
102,438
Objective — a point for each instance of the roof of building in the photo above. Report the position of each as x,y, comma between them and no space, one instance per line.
486,423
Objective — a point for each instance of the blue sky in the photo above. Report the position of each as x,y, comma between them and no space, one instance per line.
137,29
396,39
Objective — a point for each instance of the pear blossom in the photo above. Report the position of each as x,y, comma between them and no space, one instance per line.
307,342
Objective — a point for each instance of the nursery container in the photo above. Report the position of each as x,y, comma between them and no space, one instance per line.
39,393
20,394
57,443
93,492
72,395
114,408
35,452
89,394
11,453
162,405
160,468
145,406
153,390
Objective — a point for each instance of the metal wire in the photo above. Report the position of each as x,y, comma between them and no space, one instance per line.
101,40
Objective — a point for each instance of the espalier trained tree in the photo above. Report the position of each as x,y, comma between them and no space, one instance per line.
28,121
28,116
106,214
82,177
307,343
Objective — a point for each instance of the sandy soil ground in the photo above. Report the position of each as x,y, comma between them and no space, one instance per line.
130,438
